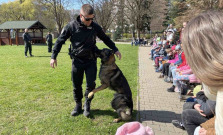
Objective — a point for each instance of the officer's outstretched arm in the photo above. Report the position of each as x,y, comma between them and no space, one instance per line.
53,62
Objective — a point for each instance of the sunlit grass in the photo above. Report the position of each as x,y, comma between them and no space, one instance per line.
37,99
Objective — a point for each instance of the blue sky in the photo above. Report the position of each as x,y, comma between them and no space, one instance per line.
4,1
76,6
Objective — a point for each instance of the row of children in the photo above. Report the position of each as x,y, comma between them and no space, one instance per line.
180,64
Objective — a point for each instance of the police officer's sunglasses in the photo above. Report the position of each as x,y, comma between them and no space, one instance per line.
87,19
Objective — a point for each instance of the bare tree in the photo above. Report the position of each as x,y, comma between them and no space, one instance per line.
158,15
105,11
204,4
59,9
195,7
220,3
138,13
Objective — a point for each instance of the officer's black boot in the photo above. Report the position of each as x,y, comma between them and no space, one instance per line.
87,107
77,110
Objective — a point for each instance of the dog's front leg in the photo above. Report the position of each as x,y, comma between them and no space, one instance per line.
102,87
117,120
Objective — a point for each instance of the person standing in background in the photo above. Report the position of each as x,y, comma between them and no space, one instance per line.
49,39
27,39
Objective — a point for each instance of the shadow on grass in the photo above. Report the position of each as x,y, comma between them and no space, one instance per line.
114,114
39,44
158,116
97,112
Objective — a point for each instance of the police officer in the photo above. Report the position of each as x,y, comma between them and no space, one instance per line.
49,41
27,40
82,33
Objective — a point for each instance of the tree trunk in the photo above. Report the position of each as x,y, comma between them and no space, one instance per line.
59,29
133,34
138,33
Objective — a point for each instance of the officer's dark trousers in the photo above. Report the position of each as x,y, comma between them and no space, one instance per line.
49,43
28,46
77,74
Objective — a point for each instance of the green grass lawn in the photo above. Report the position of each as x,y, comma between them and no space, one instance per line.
37,99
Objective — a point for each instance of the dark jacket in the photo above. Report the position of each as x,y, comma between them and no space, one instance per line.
26,37
83,39
162,52
49,38
208,106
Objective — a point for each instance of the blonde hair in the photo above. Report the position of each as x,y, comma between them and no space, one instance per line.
203,47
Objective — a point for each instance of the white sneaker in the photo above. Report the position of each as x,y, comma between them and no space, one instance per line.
176,89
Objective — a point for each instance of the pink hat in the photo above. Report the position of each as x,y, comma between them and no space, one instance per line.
173,47
134,128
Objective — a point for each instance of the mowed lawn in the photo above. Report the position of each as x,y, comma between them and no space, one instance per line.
37,99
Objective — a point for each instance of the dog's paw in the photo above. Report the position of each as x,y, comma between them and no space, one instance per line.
116,120
90,95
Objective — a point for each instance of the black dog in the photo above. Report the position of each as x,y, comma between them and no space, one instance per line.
111,76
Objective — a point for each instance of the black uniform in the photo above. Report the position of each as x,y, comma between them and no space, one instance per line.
49,39
27,40
83,41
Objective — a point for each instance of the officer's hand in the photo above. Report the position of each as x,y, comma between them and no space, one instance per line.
118,54
53,62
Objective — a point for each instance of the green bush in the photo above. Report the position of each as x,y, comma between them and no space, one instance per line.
127,35
147,36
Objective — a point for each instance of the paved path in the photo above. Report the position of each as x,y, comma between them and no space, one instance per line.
156,107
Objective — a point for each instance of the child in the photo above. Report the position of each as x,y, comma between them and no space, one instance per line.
202,43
